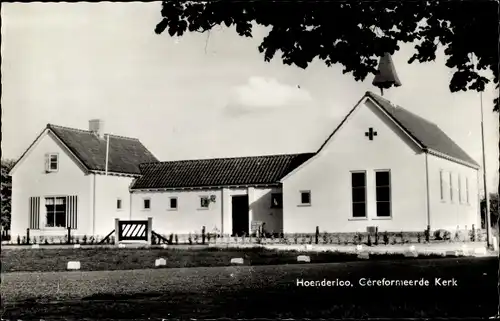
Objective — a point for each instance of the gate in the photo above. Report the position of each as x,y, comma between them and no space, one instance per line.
133,230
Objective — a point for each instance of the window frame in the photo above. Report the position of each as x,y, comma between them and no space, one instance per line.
200,204
144,208
451,188
467,193
64,198
442,185
377,216
365,187
48,165
301,192
170,198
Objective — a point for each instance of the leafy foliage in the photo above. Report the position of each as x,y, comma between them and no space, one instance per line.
494,210
354,34
6,191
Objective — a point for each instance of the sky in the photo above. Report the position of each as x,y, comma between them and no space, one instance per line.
201,95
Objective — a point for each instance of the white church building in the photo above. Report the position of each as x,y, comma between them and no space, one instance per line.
383,166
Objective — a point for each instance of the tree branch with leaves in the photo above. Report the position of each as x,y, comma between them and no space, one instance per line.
355,34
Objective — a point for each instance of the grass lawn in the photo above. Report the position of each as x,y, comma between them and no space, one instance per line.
99,259
256,292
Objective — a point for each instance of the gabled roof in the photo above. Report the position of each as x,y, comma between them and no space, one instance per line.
237,171
125,154
426,133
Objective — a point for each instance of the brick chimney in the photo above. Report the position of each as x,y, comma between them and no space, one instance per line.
97,127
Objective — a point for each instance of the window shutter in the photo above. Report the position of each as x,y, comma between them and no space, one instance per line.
47,162
34,219
71,211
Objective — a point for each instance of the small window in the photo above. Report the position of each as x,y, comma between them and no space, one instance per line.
52,162
118,204
147,204
173,203
276,200
305,197
204,201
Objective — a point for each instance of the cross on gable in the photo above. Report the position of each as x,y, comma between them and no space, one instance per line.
370,133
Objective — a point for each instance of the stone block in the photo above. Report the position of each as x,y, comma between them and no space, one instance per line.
121,245
480,251
237,260
303,258
76,246
160,262
364,255
411,254
164,246
359,247
74,265
309,247
35,246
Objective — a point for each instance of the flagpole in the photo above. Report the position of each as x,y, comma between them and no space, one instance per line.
107,152
486,194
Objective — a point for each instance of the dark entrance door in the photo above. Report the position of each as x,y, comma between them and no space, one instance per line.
240,214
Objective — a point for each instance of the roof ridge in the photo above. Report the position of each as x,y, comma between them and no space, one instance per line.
68,128
120,136
225,158
400,107
89,132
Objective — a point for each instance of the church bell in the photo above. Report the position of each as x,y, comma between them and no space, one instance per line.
386,76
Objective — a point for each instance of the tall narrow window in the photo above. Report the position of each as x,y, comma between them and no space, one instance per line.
441,182
467,190
460,196
118,204
358,185
56,211
383,189
451,187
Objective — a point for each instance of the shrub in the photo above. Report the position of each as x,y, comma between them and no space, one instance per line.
46,242
295,238
18,240
402,238
386,238
325,238
112,238
171,238
24,239
473,234
91,240
369,241
190,240
84,239
393,240
176,239
77,240
442,235
419,238
154,239
376,237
